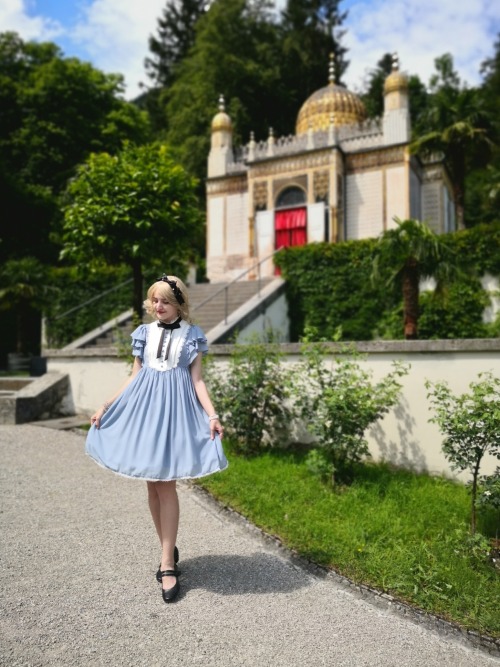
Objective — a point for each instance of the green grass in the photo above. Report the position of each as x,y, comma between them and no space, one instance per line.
394,530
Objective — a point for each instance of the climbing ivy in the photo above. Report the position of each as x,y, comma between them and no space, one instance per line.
330,287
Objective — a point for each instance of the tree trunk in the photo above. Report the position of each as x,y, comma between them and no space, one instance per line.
458,193
411,279
138,297
473,494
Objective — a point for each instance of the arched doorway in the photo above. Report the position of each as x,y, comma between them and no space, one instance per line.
290,218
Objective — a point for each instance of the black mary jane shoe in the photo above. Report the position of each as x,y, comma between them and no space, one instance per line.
170,594
176,560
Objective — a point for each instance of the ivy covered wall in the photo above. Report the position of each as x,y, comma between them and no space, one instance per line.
330,288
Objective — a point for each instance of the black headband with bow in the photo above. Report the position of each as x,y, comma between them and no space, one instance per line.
173,285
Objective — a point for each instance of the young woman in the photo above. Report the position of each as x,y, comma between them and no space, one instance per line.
161,425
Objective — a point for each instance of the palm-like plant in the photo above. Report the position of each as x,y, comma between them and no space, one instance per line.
455,126
410,253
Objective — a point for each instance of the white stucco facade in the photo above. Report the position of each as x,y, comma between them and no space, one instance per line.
350,177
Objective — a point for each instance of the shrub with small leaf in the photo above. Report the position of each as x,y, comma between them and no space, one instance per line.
471,426
252,396
339,401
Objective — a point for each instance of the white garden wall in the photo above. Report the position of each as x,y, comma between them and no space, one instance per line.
404,437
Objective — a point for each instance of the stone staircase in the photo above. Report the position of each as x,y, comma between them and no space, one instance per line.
206,315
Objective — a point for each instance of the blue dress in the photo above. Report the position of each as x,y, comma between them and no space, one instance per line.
156,430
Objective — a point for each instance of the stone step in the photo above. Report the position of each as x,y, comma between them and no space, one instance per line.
205,315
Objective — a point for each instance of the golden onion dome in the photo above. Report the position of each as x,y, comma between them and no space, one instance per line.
331,102
396,79
221,121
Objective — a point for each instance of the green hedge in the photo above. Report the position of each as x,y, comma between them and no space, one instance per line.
330,288
73,287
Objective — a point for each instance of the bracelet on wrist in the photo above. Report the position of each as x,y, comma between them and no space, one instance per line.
213,417
106,406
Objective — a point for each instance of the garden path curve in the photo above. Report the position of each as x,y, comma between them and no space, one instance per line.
79,554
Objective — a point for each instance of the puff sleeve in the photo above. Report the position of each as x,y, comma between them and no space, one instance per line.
139,341
196,343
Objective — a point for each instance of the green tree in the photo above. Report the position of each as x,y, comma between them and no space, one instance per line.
53,112
373,96
471,426
310,31
483,185
413,251
174,37
456,125
235,53
136,208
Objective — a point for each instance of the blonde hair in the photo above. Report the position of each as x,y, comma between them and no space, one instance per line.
163,290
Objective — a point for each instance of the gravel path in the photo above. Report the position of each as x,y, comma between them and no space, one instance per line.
79,554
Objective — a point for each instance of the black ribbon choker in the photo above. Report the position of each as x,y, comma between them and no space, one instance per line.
167,326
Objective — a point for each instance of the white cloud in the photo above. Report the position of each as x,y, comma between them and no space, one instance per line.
115,34
14,18
420,31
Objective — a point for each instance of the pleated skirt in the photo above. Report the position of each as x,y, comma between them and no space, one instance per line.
157,430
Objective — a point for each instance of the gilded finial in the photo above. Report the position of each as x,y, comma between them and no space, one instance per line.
222,105
395,62
331,69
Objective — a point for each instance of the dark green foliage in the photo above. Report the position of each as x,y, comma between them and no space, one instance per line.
72,287
175,36
338,402
329,287
456,123
23,290
138,208
470,424
310,30
264,67
455,312
53,112
252,396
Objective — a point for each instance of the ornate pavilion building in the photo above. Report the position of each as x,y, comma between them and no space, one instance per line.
339,177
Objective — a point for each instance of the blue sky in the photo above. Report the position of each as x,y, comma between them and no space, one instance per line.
113,34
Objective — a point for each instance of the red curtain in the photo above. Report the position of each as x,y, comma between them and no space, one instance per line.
291,227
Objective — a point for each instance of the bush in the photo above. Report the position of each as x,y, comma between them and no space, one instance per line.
471,426
252,396
338,404
329,286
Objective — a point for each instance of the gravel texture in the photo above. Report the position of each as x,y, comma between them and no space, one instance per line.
79,555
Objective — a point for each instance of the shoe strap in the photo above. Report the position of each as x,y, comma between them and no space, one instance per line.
169,573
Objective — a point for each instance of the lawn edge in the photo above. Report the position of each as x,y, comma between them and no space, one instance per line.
434,622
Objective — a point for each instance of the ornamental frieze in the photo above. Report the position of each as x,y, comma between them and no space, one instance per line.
299,164
260,195
321,181
361,161
228,185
